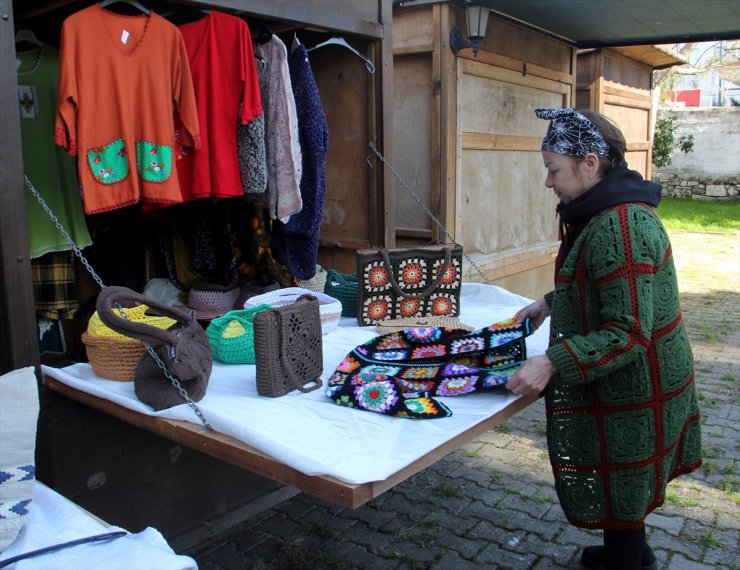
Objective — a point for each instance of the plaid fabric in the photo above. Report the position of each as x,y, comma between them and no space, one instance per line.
54,289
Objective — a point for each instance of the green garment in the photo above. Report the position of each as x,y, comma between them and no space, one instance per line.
622,415
49,169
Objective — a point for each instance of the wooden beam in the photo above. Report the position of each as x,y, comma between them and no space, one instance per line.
518,66
18,339
508,76
485,141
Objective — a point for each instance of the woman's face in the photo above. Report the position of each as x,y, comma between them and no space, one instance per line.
569,178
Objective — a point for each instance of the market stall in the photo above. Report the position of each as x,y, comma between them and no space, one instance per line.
344,455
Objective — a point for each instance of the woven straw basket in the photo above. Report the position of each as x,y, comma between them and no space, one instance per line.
113,358
112,355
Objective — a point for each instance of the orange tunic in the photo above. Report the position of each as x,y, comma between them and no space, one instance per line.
121,80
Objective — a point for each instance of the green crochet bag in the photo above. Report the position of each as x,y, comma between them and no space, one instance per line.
343,286
231,336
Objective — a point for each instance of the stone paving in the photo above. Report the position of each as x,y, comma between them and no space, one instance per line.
491,503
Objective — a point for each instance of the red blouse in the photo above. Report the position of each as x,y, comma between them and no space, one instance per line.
224,74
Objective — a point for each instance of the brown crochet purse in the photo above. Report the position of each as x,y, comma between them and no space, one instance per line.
183,349
288,348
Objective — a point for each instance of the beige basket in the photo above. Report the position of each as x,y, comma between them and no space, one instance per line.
113,358
330,309
316,283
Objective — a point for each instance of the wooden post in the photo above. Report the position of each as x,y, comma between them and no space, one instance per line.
18,331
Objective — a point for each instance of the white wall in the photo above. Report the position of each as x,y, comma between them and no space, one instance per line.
716,142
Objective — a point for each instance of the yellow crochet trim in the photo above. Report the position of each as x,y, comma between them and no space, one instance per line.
97,328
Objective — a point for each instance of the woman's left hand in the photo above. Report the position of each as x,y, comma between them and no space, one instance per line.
533,376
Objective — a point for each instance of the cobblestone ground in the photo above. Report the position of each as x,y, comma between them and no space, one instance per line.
491,504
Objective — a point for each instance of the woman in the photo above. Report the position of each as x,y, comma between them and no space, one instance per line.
618,378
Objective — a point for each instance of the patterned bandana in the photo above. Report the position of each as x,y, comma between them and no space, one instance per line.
572,134
398,373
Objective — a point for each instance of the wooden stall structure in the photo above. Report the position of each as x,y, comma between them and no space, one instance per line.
461,132
126,475
618,82
471,141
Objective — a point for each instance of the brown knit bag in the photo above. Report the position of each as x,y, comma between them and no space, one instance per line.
288,348
183,349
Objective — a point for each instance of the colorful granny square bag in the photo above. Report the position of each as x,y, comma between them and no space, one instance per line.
398,373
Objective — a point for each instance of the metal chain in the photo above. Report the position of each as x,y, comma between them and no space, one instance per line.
427,210
175,382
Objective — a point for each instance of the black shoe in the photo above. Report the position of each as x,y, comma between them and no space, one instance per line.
593,558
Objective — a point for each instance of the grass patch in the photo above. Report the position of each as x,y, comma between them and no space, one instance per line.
712,453
446,491
330,560
471,453
685,214
674,499
504,428
709,540
320,529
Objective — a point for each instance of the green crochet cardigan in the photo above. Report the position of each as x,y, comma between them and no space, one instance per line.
622,415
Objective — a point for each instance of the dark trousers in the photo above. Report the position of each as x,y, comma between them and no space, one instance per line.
623,549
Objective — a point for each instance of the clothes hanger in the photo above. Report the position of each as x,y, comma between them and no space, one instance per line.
134,3
296,43
342,42
265,34
26,36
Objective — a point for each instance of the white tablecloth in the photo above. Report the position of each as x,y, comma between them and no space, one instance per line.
309,432
54,519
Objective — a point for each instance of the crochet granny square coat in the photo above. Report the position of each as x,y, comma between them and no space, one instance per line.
622,415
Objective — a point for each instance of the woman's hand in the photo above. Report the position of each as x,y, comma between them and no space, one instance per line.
533,376
537,312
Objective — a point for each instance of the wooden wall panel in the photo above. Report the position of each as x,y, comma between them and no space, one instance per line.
413,31
518,43
343,82
413,108
635,123
625,71
620,88
504,204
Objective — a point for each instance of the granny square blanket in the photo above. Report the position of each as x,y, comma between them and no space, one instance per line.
398,373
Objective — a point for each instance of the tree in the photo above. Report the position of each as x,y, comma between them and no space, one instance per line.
665,142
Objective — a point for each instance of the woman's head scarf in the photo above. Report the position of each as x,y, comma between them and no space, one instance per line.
572,134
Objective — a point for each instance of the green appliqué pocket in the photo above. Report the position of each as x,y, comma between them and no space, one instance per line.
154,161
108,163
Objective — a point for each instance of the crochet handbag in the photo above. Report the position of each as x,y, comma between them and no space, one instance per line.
288,348
232,336
343,286
183,349
398,373
408,282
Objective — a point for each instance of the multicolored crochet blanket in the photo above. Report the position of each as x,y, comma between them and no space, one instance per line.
398,373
